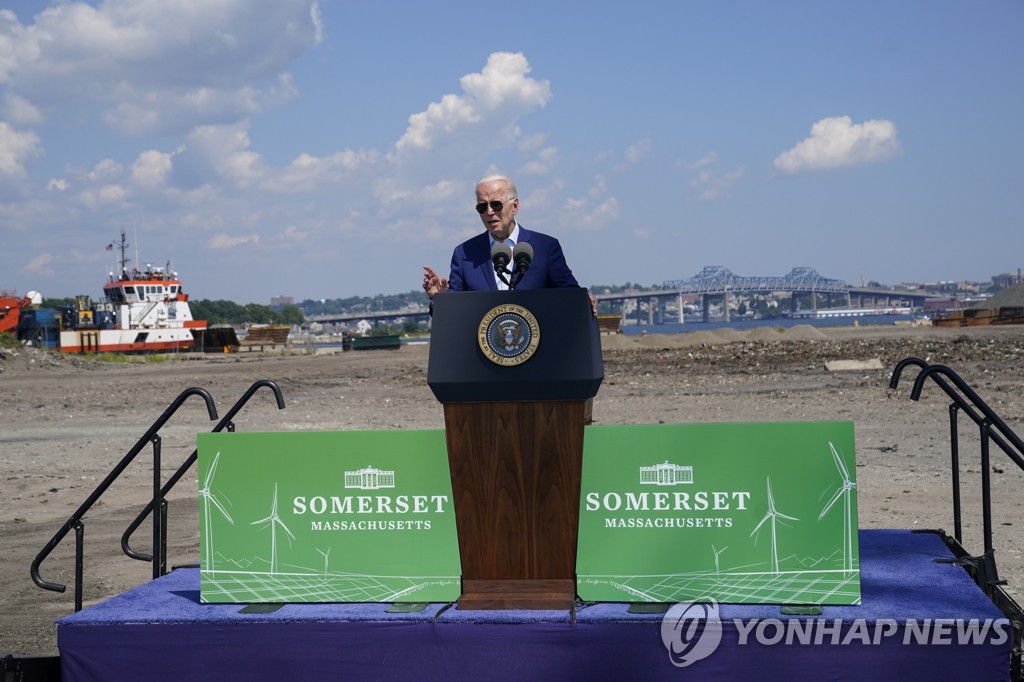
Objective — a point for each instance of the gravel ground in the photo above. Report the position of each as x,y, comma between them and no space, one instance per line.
67,422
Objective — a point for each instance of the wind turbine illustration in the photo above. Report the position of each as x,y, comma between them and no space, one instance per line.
206,494
325,555
717,553
843,491
772,514
273,520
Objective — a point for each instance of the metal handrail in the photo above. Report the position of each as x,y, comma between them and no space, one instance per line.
159,567
994,419
75,520
967,405
992,429
1014,449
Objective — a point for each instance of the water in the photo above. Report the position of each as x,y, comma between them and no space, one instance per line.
739,325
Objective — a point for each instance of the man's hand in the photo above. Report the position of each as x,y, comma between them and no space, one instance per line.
432,282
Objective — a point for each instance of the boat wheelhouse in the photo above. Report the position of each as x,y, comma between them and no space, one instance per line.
142,311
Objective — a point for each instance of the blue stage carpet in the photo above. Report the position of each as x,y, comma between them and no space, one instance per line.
906,628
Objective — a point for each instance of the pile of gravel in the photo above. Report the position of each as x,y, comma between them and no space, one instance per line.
804,332
28,358
1007,298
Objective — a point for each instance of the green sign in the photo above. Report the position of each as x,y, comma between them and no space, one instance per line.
329,516
762,513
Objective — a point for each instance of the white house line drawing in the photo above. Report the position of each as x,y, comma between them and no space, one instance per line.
208,498
666,474
273,520
772,514
845,490
369,478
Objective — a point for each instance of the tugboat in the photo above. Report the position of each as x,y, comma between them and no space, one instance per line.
10,308
143,311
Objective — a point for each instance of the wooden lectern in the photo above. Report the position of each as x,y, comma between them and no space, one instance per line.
515,371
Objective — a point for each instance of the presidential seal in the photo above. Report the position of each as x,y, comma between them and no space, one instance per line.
508,335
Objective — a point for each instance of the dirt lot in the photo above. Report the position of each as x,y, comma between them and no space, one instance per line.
65,423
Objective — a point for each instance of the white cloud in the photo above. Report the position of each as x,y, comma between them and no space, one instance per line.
19,110
106,169
837,141
226,241
105,195
224,150
533,168
601,215
591,212
706,160
10,34
295,234
533,142
439,195
710,185
542,164
440,117
140,112
504,82
637,151
104,185
492,100
307,172
158,66
40,265
16,148
151,169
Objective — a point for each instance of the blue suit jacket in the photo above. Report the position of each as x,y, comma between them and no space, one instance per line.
472,269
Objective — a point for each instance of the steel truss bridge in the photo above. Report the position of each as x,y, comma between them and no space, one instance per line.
717,282
715,279
711,283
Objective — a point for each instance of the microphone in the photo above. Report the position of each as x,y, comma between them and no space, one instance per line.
501,256
522,256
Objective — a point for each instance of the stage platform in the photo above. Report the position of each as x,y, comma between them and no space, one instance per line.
919,619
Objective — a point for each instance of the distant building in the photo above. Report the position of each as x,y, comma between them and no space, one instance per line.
1006,279
281,300
958,287
941,305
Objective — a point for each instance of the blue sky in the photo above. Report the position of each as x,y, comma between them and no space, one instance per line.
330,149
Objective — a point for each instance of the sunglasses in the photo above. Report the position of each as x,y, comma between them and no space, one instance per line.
496,206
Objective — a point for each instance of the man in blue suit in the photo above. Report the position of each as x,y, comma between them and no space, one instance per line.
497,202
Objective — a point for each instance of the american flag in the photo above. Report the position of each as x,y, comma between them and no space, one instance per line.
110,247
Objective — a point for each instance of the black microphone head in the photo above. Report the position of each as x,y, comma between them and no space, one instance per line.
523,253
501,254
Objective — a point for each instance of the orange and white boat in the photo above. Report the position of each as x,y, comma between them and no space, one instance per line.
10,308
143,311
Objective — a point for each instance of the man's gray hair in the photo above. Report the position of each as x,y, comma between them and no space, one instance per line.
509,185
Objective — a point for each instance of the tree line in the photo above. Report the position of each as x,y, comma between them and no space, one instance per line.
417,299
222,312
363,304
229,312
